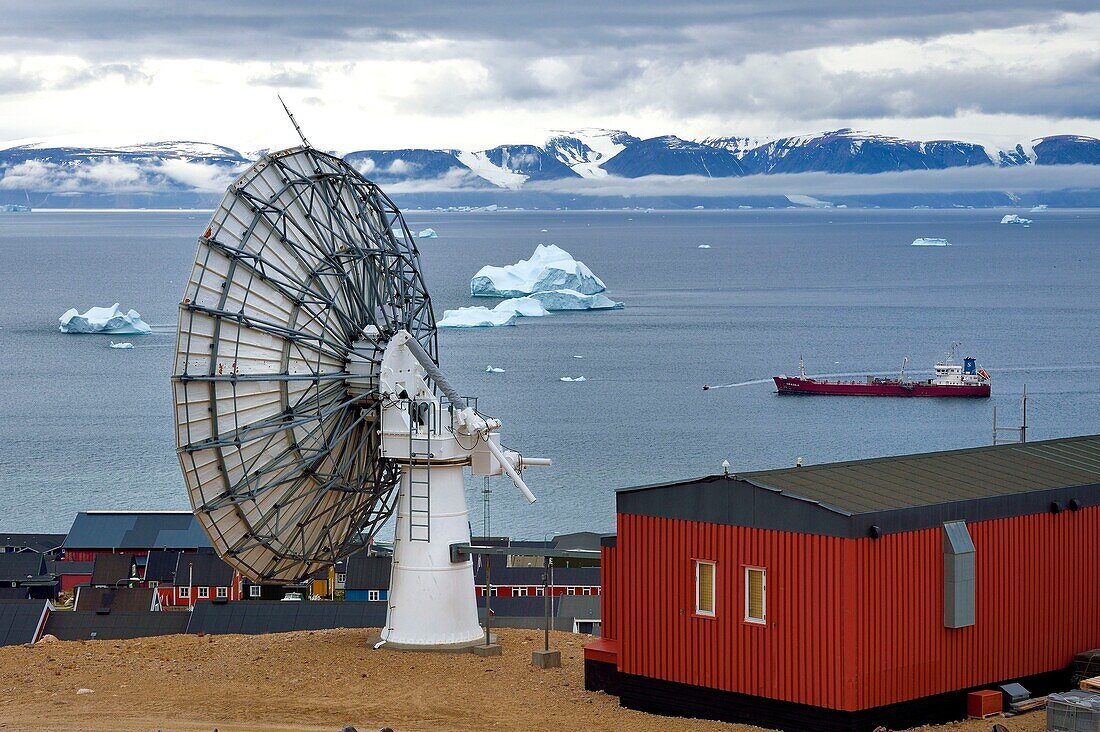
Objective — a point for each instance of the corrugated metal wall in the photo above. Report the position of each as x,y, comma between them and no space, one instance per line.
609,605
795,657
1038,603
852,624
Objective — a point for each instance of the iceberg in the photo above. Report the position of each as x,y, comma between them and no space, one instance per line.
930,242
123,346
427,234
475,317
573,300
523,307
1014,219
1040,207
104,320
703,246
492,370
549,268
571,378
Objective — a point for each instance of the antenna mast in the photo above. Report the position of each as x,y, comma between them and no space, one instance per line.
294,122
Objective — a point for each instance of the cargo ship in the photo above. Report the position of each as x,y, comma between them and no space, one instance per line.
951,379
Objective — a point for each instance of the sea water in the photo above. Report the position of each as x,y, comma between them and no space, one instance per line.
84,426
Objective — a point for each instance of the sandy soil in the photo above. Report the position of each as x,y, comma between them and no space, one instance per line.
322,680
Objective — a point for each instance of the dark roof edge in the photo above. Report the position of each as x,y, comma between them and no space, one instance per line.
795,496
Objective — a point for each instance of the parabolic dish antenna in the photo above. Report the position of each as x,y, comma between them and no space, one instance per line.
308,398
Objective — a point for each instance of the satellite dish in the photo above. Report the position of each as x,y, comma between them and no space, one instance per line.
309,400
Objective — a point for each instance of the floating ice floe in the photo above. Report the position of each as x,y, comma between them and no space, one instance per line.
704,246
578,357
493,370
573,300
543,230
1040,207
549,268
475,317
925,241
104,320
572,378
505,313
122,346
1014,219
523,307
427,234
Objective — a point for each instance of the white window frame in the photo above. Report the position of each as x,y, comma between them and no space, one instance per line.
221,593
713,588
204,593
185,593
763,595
539,592
255,591
374,595
571,591
521,592
153,583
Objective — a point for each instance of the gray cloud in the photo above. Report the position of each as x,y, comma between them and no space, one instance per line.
283,77
130,73
258,29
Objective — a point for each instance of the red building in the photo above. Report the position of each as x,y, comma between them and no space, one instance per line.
851,595
201,578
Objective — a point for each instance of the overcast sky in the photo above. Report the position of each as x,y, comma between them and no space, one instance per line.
439,73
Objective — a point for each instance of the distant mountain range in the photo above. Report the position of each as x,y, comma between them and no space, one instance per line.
182,174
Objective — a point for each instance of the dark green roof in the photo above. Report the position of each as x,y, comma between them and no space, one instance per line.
928,479
887,495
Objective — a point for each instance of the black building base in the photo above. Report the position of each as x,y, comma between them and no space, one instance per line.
601,676
671,698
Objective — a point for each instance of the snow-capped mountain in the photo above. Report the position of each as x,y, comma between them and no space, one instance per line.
672,156
194,173
586,150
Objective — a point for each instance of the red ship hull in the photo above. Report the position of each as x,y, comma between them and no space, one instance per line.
878,387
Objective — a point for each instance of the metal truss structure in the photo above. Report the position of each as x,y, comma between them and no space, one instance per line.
306,271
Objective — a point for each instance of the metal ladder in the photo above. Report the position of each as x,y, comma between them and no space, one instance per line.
420,491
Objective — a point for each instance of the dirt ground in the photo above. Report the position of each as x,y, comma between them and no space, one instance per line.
321,680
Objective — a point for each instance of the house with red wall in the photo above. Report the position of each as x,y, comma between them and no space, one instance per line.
133,532
202,577
851,595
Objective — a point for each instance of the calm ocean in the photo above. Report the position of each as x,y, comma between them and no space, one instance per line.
83,426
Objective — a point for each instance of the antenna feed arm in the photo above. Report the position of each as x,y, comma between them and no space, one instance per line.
506,465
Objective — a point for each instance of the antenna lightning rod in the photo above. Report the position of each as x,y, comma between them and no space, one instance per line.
294,121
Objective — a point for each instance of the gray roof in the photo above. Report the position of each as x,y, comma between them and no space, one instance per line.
887,495
367,572
905,481
59,567
580,607
21,566
116,625
136,530
112,569
161,567
19,620
203,570
35,542
276,616
131,599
